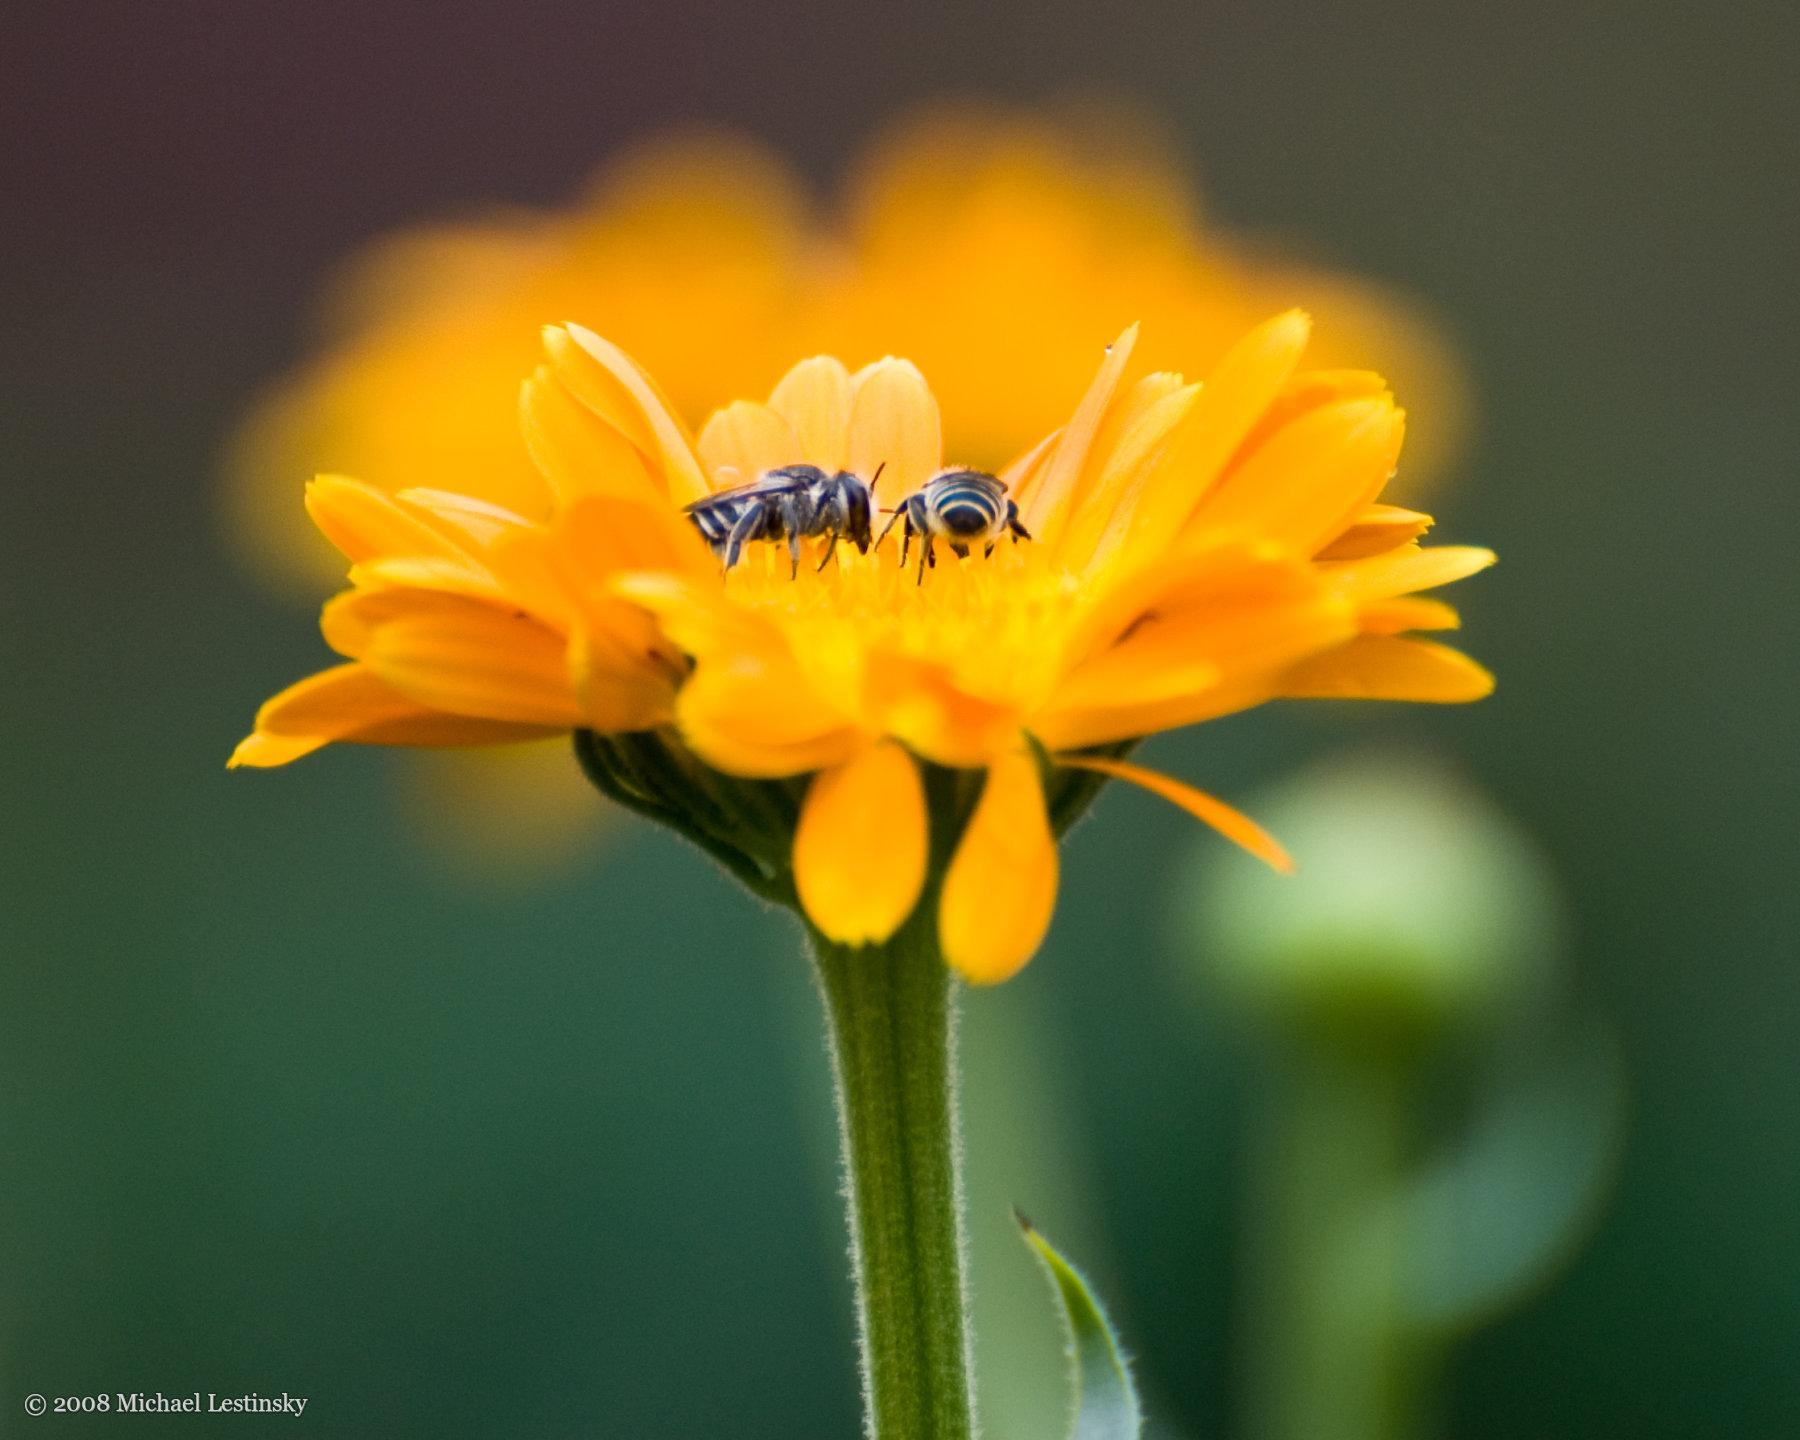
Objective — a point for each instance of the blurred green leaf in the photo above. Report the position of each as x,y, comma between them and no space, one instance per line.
1505,1209
1106,1403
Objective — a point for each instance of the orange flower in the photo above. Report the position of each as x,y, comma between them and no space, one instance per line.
990,248
1196,550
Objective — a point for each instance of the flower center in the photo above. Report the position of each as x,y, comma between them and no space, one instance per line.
995,622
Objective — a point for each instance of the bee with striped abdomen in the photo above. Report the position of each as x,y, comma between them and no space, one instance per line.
960,507
794,503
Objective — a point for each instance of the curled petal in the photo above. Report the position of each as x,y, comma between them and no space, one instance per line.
861,848
1234,825
1001,886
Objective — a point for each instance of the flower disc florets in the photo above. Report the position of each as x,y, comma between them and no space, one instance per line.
1194,550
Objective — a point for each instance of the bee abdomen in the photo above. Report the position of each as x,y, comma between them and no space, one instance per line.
966,504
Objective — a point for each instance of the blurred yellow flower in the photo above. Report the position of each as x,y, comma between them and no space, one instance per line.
990,248
1194,550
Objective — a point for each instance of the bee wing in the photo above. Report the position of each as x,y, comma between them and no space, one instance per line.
775,482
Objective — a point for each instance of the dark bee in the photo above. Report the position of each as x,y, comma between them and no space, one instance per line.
793,503
960,507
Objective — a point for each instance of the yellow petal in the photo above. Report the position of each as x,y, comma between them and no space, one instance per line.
1052,496
619,685
350,620
1400,572
578,451
332,704
1382,667
749,707
861,847
920,702
1072,728
671,444
1211,585
1248,633
1309,390
1022,477
264,752
596,385
756,716
894,428
1122,465
478,660
1234,825
1376,529
746,439
1001,886
426,573
814,397
1406,612
602,535
367,524
350,703
1309,478
1233,399
480,522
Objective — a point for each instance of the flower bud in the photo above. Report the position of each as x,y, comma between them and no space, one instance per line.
1418,912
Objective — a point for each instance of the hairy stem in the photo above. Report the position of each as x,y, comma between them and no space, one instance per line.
892,1014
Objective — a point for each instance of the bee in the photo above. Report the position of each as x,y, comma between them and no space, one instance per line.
792,503
960,507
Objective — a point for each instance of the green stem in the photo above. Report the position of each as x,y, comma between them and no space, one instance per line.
892,1015
1333,1357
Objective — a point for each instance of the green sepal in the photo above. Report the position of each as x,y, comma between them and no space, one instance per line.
1106,1402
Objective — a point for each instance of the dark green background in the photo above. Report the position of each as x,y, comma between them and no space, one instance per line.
280,1107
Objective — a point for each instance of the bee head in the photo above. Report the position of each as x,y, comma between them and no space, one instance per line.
858,506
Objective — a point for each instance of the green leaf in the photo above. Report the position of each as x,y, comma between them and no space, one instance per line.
1504,1210
1106,1403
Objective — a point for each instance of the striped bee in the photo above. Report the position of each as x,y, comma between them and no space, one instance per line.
793,503
959,507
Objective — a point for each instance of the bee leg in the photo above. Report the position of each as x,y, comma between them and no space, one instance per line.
830,550
741,533
1019,532
794,520
988,551
926,556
